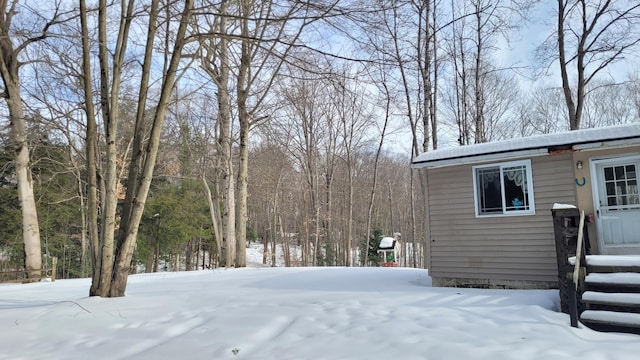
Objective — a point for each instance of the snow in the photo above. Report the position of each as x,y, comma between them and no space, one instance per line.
613,260
293,313
386,242
255,253
454,155
610,260
558,206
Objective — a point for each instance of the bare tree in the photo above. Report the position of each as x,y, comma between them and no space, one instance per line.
260,60
498,108
428,62
608,104
112,255
374,183
591,36
632,89
428,66
273,183
353,117
478,79
215,60
305,120
14,47
541,112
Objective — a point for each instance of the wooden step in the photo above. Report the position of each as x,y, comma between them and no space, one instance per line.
620,302
618,299
611,321
612,269
613,282
612,297
613,263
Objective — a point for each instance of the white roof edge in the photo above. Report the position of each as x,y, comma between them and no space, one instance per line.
586,139
481,158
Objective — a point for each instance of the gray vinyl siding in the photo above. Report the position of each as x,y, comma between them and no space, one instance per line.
519,248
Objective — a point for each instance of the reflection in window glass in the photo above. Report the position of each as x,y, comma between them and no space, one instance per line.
515,188
489,189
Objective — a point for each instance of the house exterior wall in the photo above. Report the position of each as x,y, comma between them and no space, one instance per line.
502,251
584,194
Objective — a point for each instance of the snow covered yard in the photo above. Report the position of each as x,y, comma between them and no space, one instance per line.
293,313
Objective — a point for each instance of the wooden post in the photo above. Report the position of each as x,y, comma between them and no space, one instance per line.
54,263
573,303
576,269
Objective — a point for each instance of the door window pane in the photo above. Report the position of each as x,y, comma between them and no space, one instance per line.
608,173
621,185
631,171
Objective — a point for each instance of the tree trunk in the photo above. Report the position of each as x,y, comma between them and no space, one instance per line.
109,96
90,144
214,212
243,169
138,142
564,73
286,253
349,237
127,238
9,69
30,227
480,133
148,264
427,62
372,194
265,249
242,88
156,256
188,256
316,239
112,262
274,242
83,216
433,85
221,78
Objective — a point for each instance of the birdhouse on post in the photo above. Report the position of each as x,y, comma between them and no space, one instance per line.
388,250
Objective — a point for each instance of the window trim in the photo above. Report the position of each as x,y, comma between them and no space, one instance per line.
532,208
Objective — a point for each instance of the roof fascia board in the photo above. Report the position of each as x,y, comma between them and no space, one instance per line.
607,144
482,158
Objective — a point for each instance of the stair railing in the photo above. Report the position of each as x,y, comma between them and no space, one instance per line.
575,280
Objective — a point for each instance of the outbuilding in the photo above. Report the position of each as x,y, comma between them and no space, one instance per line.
488,206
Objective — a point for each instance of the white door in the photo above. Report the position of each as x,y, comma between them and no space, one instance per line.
617,205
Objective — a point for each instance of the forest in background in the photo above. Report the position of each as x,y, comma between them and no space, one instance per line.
175,132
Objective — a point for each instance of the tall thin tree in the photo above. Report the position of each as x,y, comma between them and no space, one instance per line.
14,44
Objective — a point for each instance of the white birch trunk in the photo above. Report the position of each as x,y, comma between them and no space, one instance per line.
30,227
